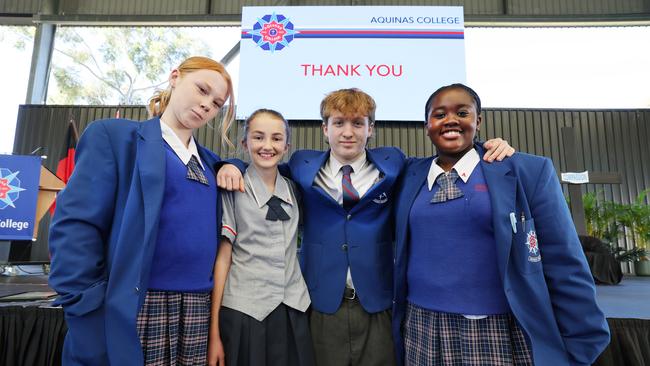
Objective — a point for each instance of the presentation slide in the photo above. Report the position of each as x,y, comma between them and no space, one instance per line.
291,57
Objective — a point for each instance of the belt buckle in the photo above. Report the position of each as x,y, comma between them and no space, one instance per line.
354,293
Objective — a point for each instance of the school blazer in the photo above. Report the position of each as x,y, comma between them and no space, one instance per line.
103,236
553,297
334,238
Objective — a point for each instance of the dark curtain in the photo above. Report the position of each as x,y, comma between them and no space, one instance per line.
31,336
630,344
603,265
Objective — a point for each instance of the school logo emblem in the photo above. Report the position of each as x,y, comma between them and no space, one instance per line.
273,32
381,199
533,247
9,188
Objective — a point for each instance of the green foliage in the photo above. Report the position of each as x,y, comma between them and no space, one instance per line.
608,221
122,65
637,218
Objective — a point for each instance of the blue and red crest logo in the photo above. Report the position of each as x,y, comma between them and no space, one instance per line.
273,32
9,188
533,246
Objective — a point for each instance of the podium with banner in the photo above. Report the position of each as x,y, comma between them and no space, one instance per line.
27,190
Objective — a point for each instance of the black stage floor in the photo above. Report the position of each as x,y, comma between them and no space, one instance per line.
14,285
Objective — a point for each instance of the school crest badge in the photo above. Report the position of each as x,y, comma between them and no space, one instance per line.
9,188
533,247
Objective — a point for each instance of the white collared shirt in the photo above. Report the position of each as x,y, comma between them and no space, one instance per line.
364,175
464,167
183,153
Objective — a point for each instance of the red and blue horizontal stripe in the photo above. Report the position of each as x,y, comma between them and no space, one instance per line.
372,33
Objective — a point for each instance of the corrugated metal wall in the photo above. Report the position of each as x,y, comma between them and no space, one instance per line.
576,7
607,140
472,7
15,7
138,7
602,8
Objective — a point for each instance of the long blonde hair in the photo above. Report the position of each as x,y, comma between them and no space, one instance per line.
159,101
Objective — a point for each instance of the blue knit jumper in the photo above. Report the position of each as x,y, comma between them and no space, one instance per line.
186,246
452,265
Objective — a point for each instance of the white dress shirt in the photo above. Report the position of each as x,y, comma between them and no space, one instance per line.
183,153
464,167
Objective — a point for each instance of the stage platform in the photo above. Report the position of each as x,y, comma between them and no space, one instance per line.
26,288
629,299
36,330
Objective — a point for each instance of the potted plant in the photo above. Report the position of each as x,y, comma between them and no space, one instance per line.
606,222
637,219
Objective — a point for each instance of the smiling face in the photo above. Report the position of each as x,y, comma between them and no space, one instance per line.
347,135
453,122
266,141
196,98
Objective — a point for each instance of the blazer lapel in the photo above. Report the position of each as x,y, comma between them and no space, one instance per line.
413,180
207,158
379,186
151,167
312,166
502,187
210,161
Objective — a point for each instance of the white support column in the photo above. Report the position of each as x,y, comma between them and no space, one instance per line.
39,74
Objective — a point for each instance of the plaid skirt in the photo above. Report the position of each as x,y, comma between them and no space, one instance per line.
444,339
173,328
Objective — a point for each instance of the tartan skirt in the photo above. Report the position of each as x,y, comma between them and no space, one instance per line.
444,339
173,328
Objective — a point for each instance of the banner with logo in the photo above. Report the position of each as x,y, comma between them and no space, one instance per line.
19,178
291,57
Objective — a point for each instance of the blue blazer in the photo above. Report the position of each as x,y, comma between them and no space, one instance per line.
334,238
103,236
554,299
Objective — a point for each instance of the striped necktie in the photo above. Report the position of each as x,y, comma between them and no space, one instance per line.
448,188
350,195
194,171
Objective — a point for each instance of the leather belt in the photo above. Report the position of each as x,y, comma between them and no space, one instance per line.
349,293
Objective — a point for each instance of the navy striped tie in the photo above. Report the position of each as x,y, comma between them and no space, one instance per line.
350,195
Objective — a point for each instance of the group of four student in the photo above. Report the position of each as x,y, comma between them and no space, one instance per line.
446,260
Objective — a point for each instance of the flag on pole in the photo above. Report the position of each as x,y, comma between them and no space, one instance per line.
66,159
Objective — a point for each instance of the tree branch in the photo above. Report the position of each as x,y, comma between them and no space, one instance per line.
112,86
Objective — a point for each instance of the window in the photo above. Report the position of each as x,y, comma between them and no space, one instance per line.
125,65
16,44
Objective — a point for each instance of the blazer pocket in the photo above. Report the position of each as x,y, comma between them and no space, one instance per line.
526,248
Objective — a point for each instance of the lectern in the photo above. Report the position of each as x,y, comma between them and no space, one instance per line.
27,190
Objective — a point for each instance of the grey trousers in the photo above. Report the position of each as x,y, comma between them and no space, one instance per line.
352,337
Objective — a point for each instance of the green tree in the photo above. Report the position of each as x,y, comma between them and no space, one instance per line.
116,65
